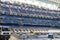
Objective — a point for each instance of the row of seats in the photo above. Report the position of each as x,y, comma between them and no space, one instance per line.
43,22
29,16
29,6
21,5
9,19
32,21
22,11
29,20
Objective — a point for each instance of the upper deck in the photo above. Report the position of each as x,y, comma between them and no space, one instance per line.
28,9
28,15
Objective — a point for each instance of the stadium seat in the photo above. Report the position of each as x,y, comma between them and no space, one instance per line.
30,12
5,9
22,11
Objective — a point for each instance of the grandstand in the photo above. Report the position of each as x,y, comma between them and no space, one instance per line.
27,18
28,15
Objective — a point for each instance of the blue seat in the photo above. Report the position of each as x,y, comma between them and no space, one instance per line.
56,15
43,9
3,21
38,13
15,21
25,22
43,13
7,21
57,23
16,4
30,7
59,14
10,3
5,9
36,8
22,11
56,10
4,2
14,10
30,12
49,14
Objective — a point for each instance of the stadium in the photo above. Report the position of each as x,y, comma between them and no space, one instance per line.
29,17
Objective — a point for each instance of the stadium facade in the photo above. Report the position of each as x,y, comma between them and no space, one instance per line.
27,15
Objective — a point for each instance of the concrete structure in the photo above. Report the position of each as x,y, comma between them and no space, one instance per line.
29,18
